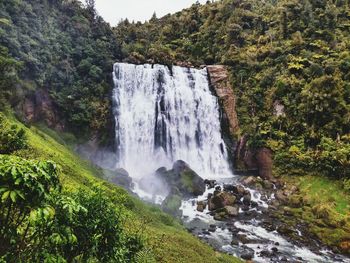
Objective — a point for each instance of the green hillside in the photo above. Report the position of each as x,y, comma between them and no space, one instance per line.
162,238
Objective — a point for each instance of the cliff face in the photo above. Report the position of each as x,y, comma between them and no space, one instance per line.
40,108
259,160
219,79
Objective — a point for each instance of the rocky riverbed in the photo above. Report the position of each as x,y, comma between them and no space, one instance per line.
245,216
250,218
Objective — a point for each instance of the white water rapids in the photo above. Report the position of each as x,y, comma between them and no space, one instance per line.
163,116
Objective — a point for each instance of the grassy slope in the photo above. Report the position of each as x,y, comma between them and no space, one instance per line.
326,209
167,238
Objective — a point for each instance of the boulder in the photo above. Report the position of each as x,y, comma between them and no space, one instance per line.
231,210
235,241
264,160
119,177
247,199
201,205
243,238
239,189
219,216
212,228
182,177
266,253
269,225
285,230
249,181
229,187
179,166
247,254
279,195
245,208
161,170
274,249
172,204
221,200
210,183
345,246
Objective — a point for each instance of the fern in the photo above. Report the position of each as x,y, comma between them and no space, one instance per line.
145,256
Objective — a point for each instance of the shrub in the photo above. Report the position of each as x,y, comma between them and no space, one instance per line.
25,187
40,223
11,137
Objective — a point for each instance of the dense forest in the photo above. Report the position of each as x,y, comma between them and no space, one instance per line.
286,55
289,66
63,48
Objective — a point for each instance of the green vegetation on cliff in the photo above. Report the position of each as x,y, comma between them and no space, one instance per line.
64,48
290,65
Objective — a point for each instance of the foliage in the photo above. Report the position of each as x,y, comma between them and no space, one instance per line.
326,207
330,158
25,187
65,48
11,137
288,54
40,223
9,68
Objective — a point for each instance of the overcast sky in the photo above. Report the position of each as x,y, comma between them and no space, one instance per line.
138,10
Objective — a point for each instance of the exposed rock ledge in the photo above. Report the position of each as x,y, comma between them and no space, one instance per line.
219,79
250,160
39,107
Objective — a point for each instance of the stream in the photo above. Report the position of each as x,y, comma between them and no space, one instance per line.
259,243
165,114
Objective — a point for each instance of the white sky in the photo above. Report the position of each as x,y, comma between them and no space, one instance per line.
139,10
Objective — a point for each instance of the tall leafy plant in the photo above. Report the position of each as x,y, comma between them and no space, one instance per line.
24,187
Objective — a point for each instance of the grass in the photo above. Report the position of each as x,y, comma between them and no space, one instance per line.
326,208
166,237
325,190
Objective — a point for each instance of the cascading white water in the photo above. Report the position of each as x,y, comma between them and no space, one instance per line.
163,116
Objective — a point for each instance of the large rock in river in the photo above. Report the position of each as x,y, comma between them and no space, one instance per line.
183,178
119,177
221,200
172,204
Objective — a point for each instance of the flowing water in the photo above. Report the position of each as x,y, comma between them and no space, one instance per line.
165,115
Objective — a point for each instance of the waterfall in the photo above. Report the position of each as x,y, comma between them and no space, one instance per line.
165,115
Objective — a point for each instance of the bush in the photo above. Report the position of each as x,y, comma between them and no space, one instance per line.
11,137
330,158
25,187
40,223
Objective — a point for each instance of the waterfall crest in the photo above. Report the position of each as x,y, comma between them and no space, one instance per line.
162,116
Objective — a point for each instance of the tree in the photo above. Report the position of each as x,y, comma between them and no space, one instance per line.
324,106
154,17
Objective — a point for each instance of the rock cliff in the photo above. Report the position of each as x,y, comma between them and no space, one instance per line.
251,160
39,107
219,79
